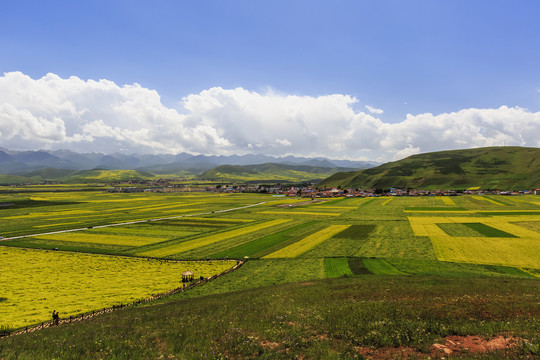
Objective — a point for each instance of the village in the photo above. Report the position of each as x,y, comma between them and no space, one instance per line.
298,190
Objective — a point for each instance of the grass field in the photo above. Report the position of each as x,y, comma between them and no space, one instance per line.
334,267
360,240
371,317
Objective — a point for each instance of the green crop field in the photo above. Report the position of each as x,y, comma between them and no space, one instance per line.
401,237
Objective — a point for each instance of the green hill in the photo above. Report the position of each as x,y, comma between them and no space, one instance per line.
50,173
507,168
105,176
75,177
15,179
270,172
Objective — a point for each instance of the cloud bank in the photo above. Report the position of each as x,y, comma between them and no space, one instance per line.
100,116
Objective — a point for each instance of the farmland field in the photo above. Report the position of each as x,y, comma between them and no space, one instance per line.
37,282
496,240
458,237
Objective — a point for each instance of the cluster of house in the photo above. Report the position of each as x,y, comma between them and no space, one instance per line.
311,191
316,192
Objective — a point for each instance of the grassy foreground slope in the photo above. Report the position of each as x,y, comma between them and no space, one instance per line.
508,168
343,318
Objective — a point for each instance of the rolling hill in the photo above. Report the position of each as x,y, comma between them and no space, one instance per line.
270,172
507,168
105,176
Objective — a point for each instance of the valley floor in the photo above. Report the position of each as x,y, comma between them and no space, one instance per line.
409,277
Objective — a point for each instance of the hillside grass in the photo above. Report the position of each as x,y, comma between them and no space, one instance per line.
337,318
268,173
506,168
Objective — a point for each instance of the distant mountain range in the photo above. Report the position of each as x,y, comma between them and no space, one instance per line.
506,168
55,164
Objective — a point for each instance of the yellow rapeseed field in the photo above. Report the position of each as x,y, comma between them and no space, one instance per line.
36,282
54,224
216,219
26,216
446,200
180,211
160,207
325,207
307,243
447,211
292,212
387,201
207,240
122,240
484,198
523,251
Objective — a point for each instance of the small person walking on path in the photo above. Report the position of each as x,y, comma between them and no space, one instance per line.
56,317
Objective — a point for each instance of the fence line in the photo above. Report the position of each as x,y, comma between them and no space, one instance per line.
93,313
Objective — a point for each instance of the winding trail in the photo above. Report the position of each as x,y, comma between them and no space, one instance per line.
132,222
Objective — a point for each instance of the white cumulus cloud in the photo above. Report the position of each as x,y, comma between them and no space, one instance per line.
374,110
101,116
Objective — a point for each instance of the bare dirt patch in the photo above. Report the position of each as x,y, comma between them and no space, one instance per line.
269,344
474,344
161,346
453,345
401,352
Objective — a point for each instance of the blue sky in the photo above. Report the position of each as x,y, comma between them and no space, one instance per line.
402,57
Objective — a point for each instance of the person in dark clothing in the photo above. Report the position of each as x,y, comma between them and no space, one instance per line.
56,317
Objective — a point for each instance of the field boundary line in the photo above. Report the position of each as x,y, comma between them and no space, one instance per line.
94,313
529,272
307,243
210,239
132,222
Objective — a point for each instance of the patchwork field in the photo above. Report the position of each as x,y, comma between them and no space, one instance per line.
308,242
482,240
400,236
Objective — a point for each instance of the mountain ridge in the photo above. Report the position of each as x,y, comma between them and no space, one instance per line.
24,162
